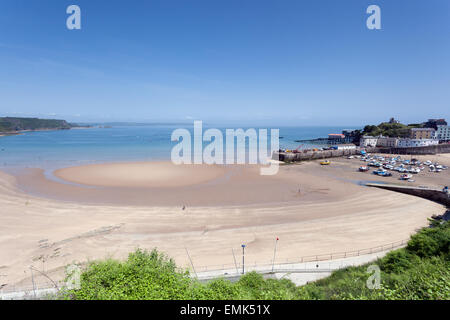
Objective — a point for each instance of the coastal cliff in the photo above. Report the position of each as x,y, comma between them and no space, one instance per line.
11,125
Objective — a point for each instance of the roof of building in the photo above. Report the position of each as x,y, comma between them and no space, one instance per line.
437,120
336,134
422,129
403,139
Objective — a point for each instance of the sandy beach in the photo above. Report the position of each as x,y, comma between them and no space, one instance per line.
109,210
140,174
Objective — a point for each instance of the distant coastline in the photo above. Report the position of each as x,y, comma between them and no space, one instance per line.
14,125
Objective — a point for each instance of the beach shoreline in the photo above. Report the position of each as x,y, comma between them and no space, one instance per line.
312,209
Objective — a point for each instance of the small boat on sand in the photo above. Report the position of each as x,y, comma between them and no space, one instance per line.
405,176
363,169
325,162
383,173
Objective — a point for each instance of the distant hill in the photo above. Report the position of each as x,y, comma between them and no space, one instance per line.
12,124
390,129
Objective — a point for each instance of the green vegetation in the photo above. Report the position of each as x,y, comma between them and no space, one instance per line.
419,271
9,124
389,129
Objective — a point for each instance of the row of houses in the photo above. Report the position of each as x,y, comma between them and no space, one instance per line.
433,132
381,141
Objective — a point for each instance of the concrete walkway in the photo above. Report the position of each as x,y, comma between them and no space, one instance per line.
299,273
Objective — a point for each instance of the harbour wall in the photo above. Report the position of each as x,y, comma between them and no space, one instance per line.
435,195
440,148
324,154
312,155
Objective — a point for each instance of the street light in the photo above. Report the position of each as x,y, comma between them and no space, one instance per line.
243,258
274,253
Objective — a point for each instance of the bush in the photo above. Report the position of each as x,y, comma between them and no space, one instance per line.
397,261
143,276
431,241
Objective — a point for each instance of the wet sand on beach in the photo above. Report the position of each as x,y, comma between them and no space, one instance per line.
165,184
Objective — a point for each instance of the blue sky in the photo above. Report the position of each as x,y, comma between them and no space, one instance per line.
252,61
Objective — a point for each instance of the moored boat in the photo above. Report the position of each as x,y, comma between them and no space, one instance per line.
383,173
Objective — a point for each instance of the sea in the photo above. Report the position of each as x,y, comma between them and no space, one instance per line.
51,150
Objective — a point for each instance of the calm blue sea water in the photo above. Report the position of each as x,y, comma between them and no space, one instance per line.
55,149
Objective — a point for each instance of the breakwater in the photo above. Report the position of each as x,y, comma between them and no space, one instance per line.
436,195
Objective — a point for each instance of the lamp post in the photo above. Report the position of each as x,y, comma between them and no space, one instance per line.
274,253
243,258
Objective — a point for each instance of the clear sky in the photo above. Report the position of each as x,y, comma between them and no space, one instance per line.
284,62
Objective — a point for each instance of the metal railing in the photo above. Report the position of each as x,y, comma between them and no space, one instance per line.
311,258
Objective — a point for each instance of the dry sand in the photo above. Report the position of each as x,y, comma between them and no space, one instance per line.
312,209
140,174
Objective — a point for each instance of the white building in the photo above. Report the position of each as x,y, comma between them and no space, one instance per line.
368,141
387,142
443,133
347,146
408,143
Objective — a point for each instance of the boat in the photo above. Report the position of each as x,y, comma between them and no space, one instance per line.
405,176
363,169
325,162
383,173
